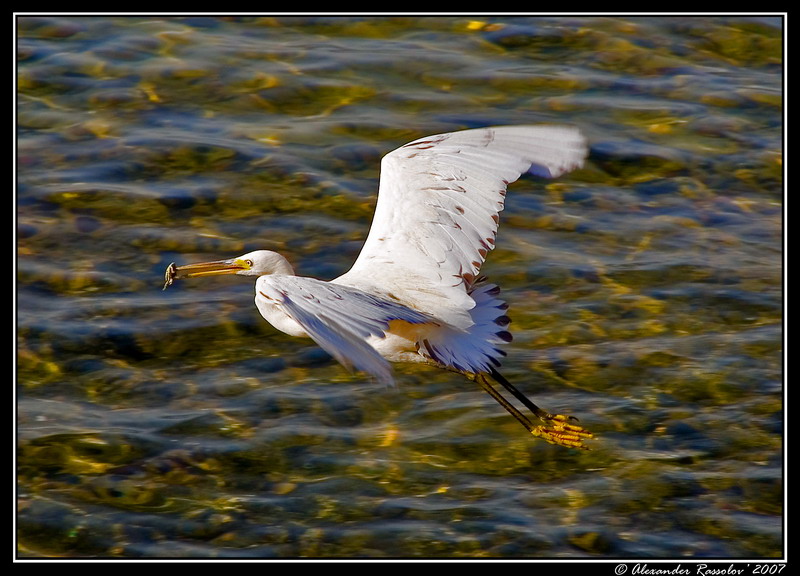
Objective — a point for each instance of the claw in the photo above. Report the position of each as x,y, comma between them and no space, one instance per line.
557,429
560,431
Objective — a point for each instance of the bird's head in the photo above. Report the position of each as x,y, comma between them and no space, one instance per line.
257,263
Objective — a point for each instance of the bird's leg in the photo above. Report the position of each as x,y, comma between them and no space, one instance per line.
558,428
538,412
486,385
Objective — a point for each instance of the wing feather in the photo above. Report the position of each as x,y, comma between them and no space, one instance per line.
338,318
438,210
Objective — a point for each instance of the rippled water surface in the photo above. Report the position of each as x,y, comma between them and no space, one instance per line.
645,290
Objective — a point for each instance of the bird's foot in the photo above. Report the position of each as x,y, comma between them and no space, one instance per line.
559,430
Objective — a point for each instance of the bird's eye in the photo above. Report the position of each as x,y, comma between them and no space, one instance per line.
249,263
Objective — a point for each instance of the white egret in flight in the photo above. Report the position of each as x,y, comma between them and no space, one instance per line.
414,294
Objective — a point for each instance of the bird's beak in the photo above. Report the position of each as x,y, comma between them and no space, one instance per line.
211,268
214,268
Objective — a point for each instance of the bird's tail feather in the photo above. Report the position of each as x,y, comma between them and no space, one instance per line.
476,349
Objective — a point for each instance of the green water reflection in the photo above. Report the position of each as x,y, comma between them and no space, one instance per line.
645,289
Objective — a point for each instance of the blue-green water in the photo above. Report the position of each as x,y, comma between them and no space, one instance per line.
645,289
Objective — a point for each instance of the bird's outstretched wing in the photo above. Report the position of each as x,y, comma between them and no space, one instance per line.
438,206
338,318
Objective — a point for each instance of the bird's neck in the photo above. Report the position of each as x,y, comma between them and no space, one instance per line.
283,267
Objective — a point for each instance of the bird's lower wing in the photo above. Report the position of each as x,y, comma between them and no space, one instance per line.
338,318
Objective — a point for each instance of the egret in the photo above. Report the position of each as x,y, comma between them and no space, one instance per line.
414,293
